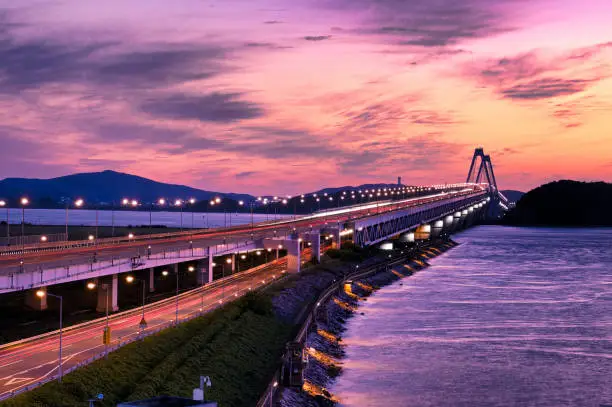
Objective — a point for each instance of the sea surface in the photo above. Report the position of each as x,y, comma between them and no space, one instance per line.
511,317
87,217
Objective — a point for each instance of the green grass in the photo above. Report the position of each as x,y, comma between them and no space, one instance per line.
238,346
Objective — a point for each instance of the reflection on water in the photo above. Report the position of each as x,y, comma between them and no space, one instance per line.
511,317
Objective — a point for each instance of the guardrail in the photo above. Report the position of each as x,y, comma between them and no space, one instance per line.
386,205
25,277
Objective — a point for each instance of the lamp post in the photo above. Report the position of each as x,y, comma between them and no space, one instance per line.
78,203
41,294
191,202
179,203
3,203
106,288
143,322
24,201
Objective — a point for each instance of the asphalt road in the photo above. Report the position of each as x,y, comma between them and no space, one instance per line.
24,363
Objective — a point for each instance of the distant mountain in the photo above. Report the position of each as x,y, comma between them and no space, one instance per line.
512,195
564,203
101,187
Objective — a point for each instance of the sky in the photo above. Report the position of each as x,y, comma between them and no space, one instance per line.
283,97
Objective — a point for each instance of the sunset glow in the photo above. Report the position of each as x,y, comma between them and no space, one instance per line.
271,96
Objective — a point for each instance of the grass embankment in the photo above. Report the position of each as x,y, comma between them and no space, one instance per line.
237,346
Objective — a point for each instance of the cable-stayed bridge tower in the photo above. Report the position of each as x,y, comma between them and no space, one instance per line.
481,172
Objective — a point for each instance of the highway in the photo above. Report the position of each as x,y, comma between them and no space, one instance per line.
108,249
24,363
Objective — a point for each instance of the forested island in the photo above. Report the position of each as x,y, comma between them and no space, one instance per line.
564,203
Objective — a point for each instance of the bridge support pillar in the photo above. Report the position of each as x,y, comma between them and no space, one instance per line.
233,263
294,260
108,293
436,229
469,220
336,239
315,246
456,221
407,237
35,302
448,222
211,261
202,274
423,232
152,280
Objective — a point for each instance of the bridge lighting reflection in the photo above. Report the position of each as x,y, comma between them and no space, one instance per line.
240,203
129,279
78,203
2,203
178,202
228,260
130,236
192,200
24,201
190,268
40,293
90,237
258,253
134,202
165,273
91,285
161,201
125,201
269,250
243,257
43,238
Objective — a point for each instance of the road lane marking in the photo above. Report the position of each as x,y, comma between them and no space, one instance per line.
16,380
12,363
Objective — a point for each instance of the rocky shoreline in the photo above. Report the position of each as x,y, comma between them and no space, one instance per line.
324,343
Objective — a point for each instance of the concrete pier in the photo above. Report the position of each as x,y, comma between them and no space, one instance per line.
108,290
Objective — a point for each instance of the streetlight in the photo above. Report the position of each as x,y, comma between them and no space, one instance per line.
41,294
3,203
143,323
24,202
106,333
191,202
179,203
78,203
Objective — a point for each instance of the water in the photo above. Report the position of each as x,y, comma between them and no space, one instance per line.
512,317
84,217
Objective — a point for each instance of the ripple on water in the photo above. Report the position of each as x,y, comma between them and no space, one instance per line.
510,317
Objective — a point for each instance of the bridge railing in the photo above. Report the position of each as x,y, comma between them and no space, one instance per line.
37,276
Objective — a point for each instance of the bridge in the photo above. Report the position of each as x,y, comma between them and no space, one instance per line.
442,209
422,213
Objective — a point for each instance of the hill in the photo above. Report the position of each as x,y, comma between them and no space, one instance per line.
512,195
564,203
104,187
